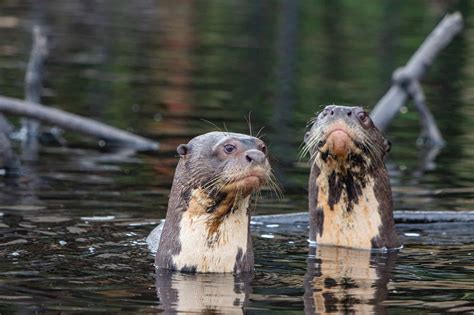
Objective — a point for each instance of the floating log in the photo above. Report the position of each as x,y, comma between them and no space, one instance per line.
401,216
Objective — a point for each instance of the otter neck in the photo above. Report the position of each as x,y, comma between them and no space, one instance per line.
351,162
351,208
218,205
214,234
342,182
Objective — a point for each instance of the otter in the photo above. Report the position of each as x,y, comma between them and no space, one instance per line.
208,219
350,198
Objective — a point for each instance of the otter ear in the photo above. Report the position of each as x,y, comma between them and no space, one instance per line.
306,137
387,145
182,149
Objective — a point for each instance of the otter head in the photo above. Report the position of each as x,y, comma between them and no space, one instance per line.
344,139
222,163
207,223
349,190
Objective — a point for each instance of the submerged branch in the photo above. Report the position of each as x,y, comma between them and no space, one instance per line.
400,216
74,122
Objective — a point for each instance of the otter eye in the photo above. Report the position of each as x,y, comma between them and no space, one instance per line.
363,116
230,148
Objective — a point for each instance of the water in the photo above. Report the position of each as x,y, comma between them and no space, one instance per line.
73,227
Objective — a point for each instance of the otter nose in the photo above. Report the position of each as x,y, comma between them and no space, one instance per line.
255,156
338,111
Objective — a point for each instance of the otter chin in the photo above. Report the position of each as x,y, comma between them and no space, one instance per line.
208,218
350,199
248,182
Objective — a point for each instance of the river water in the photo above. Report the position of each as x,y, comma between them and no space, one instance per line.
73,226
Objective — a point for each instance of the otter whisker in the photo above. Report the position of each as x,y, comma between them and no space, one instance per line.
303,151
226,129
213,181
259,132
314,138
249,123
212,124
257,197
274,186
215,188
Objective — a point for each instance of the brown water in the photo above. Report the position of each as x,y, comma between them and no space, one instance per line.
73,227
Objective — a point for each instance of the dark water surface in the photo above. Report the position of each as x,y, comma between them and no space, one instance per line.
73,228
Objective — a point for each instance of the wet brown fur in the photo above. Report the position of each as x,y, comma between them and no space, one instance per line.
221,206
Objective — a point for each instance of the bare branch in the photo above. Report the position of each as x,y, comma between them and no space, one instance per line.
388,106
75,123
33,78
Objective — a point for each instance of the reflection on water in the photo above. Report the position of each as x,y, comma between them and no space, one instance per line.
202,293
341,280
73,225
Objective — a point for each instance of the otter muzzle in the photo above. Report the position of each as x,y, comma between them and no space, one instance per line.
338,143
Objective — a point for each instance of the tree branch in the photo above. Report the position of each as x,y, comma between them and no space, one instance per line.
74,122
388,106
33,77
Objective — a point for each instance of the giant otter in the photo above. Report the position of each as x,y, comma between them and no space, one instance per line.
207,223
350,199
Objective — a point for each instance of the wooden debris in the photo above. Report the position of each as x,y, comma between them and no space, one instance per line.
405,80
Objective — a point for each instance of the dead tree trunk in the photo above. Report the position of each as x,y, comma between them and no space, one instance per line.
406,80
33,78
